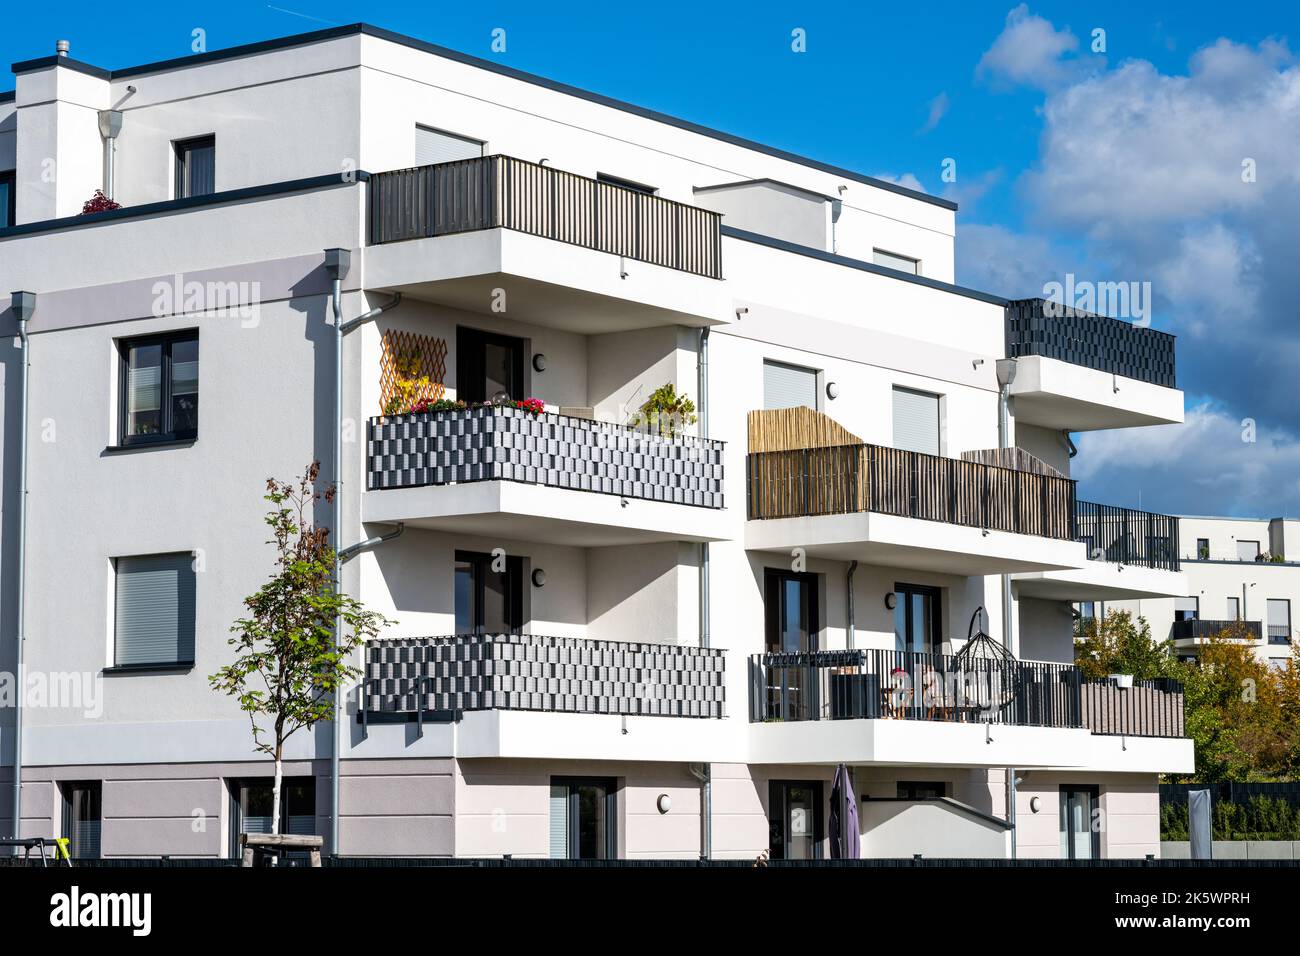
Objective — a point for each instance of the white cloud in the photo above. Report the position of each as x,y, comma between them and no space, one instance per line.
906,180
1030,52
938,107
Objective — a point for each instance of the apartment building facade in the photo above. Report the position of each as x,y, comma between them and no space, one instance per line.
1239,580
611,638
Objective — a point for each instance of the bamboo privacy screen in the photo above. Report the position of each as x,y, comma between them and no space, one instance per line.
408,357
785,429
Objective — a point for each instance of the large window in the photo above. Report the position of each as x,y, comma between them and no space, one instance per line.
790,604
788,386
488,365
916,421
584,811
1234,609
916,619
794,813
82,818
1187,608
154,611
251,807
196,167
1080,823
489,593
1247,550
433,146
159,388
1279,621
8,200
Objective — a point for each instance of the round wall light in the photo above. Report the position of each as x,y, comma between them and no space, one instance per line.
832,390
539,578
539,362
1035,804
664,803
891,599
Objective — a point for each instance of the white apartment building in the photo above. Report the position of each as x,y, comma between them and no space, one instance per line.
607,642
1239,579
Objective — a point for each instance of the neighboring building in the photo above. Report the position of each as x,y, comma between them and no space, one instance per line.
647,637
1239,578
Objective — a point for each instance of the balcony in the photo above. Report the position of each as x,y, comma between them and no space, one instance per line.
1081,371
1198,630
505,472
1149,708
1279,634
910,510
559,249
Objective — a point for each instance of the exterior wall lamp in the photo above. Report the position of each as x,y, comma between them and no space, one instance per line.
539,578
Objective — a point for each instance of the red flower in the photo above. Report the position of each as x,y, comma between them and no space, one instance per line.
99,203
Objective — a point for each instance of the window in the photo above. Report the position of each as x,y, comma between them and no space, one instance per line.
8,200
1086,609
154,611
82,818
489,600
892,260
1279,621
916,421
196,167
1187,608
251,802
1247,550
916,619
625,184
584,812
922,789
1080,823
158,386
1203,549
488,365
792,619
788,386
434,146
1234,609
794,809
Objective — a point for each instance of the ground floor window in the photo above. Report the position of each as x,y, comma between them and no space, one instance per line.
82,818
794,812
1080,823
922,789
583,818
251,802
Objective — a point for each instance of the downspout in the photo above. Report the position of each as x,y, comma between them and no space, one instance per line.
22,304
848,586
1006,372
110,124
1069,442
705,775
337,263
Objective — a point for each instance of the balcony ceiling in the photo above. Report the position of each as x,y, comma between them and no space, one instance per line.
1101,581
544,282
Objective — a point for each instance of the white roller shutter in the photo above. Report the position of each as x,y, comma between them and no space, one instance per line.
559,821
916,421
434,146
788,386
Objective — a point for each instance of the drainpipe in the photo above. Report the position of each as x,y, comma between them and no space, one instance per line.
1006,372
110,124
22,304
705,773
337,264
848,584
1069,442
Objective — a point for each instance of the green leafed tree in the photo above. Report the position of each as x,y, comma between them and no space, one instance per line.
288,660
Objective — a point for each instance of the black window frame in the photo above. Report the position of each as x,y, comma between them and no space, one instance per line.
470,367
515,590
234,788
778,815
1202,544
67,791
9,177
177,664
1095,791
181,148
902,590
1277,640
167,433
573,806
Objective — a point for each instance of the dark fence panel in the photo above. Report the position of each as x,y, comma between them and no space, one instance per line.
1150,708
1202,629
1093,341
1125,536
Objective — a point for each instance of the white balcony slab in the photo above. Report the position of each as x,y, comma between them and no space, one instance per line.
1056,394
1101,581
882,539
545,282
526,512
520,734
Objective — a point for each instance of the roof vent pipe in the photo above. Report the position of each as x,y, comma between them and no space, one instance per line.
61,47
110,124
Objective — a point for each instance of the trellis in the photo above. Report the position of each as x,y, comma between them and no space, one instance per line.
410,355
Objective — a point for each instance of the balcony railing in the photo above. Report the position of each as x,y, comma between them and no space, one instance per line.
881,684
503,192
1093,341
1279,634
510,444
468,672
850,478
873,683
1203,629
1149,708
1125,536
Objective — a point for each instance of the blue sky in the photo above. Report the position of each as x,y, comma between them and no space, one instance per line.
1115,166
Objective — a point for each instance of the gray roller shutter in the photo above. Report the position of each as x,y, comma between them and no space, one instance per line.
788,386
891,260
434,146
154,610
916,421
1247,550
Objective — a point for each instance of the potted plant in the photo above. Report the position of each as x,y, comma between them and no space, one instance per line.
665,411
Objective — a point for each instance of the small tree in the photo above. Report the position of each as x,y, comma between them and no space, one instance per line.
289,662
1117,645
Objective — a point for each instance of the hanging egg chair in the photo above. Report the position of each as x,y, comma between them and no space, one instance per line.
991,675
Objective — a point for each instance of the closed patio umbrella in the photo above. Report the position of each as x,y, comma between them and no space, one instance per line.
846,841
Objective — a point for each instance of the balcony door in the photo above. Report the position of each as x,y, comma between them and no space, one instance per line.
584,813
794,812
916,619
488,365
489,593
1080,834
792,623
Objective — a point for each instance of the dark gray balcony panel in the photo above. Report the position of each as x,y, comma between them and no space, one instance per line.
1093,341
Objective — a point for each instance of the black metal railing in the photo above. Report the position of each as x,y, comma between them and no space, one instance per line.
848,478
1203,629
1279,634
504,192
1093,341
1142,708
1125,536
874,683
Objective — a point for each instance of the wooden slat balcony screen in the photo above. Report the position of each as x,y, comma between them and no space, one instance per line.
843,479
503,192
